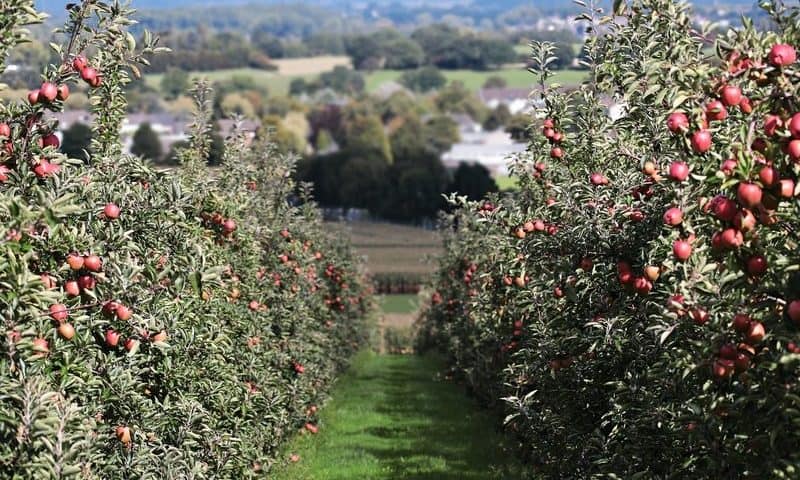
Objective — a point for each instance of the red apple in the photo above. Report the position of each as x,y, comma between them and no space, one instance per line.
111,211
742,362
745,106
79,63
93,263
556,152
75,261
123,434
781,55
755,333
87,282
123,313
771,124
5,130
112,337
89,75
786,188
730,238
728,166
731,95
745,221
59,312
48,92
728,351
63,92
699,315
33,97
769,176
741,322
749,194
757,265
793,149
677,122
794,125
678,171
715,110
72,288
673,217
66,330
701,141
793,311
40,345
682,250
723,208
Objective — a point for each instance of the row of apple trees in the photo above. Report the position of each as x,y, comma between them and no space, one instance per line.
155,325
635,306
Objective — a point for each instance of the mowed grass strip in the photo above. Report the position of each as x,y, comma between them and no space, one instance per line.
391,417
391,248
405,304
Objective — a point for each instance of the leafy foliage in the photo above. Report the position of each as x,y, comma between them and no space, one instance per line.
635,303
155,324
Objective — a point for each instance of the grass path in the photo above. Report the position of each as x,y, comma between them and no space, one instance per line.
392,418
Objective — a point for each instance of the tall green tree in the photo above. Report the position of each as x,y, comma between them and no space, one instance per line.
77,140
146,143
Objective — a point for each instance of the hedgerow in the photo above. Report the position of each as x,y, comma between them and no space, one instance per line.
156,324
635,306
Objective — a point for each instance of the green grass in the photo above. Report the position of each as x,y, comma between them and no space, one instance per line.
391,418
399,303
474,80
506,182
278,84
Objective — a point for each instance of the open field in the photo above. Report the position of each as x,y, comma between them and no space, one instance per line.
474,80
390,248
402,304
277,82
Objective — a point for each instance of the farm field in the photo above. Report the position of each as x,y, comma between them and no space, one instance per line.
277,82
390,248
395,417
399,304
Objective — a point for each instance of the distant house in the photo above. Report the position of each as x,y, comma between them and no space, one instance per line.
248,127
490,149
516,99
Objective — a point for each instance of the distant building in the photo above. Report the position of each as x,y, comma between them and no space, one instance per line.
490,149
516,99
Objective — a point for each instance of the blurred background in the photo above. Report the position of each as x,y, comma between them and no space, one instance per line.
389,104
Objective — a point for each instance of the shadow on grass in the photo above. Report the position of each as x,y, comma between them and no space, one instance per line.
412,426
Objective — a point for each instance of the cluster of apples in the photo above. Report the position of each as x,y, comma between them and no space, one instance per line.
226,226
88,74
554,136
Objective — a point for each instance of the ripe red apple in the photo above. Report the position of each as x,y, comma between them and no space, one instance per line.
701,141
33,97
745,106
63,92
4,171
312,428
5,130
548,123
93,263
71,288
728,166
548,132
769,176
742,362
677,122
557,292
160,337
50,140
722,368
673,217
48,281
731,239
715,110
757,265
794,125
298,368
699,315
749,194
87,282
652,272
786,188
112,337
89,75
111,211
40,345
682,250
123,313
110,307
793,311
79,63
745,221
723,208
75,261
131,344
771,124
781,55
123,434
59,312
728,351
66,330
642,285
793,149
731,95
539,226
741,322
228,226
678,171
556,152
598,179
48,92
755,333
